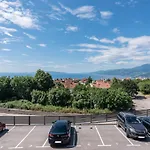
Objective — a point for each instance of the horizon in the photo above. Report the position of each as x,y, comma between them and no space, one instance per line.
75,72
73,36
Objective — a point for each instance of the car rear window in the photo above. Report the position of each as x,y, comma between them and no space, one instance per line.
59,128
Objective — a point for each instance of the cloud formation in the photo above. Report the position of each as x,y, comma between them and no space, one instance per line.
14,12
29,36
72,28
7,31
83,12
106,14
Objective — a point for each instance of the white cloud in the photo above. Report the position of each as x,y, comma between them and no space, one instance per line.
56,13
6,49
42,45
30,36
16,14
106,14
125,51
116,30
27,46
97,46
84,50
104,40
136,49
83,12
7,31
9,40
130,3
122,62
72,28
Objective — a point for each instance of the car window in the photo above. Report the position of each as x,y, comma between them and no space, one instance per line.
132,119
59,128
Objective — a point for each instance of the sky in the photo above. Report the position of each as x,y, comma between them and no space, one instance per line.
73,35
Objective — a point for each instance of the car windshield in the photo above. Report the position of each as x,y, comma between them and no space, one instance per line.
132,119
59,128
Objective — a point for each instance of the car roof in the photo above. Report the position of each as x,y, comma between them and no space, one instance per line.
127,114
61,121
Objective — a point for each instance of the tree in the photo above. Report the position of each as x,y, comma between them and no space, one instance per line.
59,97
89,80
128,86
22,87
5,88
39,97
43,80
144,87
118,100
82,98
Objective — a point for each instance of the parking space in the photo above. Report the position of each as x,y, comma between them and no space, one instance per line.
90,137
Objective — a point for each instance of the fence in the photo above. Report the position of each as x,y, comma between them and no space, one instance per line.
79,119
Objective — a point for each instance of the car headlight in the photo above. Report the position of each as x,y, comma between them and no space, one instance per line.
132,130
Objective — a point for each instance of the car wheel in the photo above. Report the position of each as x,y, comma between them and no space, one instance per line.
127,134
118,125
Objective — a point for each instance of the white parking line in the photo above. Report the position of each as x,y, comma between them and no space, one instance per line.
100,138
43,146
131,144
23,139
11,128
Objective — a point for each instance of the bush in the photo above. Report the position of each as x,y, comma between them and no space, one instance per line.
59,97
144,87
39,97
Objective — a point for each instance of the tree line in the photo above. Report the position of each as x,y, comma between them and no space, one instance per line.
41,89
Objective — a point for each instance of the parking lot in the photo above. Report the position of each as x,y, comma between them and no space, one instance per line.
84,137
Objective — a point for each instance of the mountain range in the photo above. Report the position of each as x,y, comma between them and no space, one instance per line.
139,71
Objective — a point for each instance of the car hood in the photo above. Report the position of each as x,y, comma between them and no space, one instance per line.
137,126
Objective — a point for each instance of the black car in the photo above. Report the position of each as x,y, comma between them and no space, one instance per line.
131,125
60,132
146,122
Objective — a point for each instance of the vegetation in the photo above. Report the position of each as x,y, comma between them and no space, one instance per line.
144,86
41,93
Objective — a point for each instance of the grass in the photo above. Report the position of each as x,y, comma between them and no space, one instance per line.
27,105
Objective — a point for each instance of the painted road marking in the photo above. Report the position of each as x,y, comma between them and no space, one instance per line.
100,138
11,128
23,139
131,144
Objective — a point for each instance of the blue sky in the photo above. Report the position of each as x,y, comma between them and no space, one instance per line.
73,35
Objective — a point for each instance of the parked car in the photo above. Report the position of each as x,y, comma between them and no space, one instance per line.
2,126
131,125
146,122
60,132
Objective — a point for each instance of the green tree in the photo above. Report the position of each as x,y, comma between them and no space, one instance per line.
89,80
39,97
59,97
22,87
128,86
5,88
118,100
82,99
43,80
144,87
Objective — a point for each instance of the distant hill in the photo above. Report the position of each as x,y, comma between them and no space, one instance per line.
140,71
143,70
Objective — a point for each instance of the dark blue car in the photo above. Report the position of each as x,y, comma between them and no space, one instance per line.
60,132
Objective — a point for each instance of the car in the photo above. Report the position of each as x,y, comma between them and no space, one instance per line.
131,125
2,126
60,132
146,122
